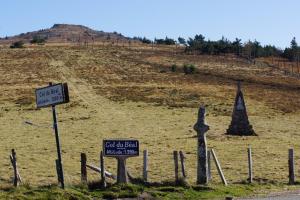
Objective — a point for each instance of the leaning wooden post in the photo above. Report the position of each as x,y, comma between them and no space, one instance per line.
175,154
103,181
18,174
201,128
145,165
83,168
250,179
182,164
209,165
13,160
291,167
219,167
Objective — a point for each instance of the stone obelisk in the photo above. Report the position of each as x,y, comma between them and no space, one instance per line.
201,128
239,123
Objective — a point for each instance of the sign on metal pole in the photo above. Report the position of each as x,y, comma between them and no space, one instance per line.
51,96
121,150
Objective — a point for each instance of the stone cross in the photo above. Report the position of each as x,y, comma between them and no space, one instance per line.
201,128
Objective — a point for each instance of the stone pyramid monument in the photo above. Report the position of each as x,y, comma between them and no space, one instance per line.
239,123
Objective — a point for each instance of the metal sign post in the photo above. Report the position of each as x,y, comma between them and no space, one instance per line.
60,170
121,150
51,96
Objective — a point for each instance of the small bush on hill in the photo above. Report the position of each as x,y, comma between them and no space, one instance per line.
18,44
192,69
146,40
173,68
38,40
189,69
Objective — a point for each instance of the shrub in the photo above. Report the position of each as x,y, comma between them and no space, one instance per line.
169,41
18,44
146,40
173,68
128,194
166,41
181,41
38,40
185,69
192,69
189,69
109,195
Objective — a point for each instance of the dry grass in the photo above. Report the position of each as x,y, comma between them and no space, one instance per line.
131,93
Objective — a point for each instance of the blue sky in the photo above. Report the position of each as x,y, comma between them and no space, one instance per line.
268,21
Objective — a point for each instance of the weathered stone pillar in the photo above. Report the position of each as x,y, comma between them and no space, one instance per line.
202,166
239,123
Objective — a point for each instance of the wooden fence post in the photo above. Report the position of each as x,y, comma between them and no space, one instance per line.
145,165
250,179
103,182
83,168
13,159
182,164
291,167
175,154
218,167
18,174
209,165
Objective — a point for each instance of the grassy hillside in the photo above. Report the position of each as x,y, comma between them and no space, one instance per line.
143,192
133,93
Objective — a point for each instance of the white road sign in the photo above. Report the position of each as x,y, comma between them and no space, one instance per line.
52,95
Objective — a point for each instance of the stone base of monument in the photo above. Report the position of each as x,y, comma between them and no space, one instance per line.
240,125
241,130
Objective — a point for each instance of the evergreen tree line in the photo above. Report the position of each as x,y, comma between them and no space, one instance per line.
249,49
166,41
